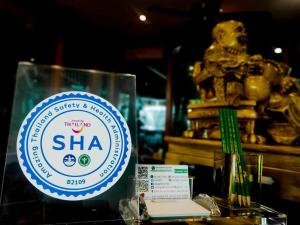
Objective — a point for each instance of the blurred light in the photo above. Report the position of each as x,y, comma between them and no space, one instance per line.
93,71
177,49
191,68
278,50
56,66
142,18
220,10
32,59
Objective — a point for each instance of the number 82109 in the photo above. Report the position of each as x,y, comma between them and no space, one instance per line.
76,182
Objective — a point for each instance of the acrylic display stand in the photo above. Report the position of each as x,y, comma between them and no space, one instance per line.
21,202
134,211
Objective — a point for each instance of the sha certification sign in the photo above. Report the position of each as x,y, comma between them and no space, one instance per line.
74,146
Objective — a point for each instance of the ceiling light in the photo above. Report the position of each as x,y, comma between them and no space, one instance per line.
278,50
142,18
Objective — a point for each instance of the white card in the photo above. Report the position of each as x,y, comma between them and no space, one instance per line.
163,181
167,208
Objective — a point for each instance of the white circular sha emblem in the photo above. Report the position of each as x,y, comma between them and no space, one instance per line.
74,146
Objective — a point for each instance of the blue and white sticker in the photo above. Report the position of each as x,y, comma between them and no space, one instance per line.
74,146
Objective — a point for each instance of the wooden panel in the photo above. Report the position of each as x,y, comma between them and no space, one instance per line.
211,113
218,104
189,159
278,149
175,158
289,183
193,150
280,162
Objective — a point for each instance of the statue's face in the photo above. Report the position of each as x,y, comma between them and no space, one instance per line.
231,34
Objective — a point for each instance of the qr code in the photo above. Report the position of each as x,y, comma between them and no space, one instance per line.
142,172
143,186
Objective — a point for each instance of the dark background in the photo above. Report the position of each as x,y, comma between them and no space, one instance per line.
107,35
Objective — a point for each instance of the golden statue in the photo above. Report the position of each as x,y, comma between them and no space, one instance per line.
260,89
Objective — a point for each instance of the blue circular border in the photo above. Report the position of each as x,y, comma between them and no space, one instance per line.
106,177
54,99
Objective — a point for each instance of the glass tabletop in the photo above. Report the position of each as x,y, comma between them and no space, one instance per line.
256,214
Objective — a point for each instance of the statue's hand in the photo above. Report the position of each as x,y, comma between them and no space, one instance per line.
287,83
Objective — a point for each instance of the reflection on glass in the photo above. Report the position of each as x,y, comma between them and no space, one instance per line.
151,124
23,203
